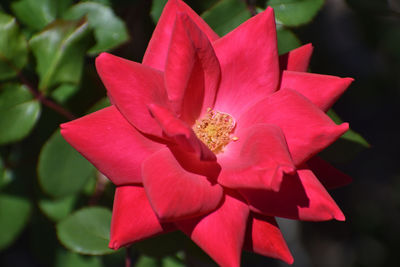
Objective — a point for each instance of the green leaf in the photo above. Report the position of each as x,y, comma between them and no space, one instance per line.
162,245
5,175
19,112
156,9
145,261
62,170
295,12
86,231
13,47
59,51
36,14
57,209
173,262
346,147
104,2
102,103
62,93
226,15
109,30
287,40
69,259
350,135
14,214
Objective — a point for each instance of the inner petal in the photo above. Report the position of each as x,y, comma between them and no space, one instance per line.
215,130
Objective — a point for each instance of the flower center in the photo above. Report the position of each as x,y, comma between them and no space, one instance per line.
215,130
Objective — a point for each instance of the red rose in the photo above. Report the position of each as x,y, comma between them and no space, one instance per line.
214,137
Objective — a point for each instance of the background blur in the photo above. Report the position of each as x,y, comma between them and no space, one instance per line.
47,51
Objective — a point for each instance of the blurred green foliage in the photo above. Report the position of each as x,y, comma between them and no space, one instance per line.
47,51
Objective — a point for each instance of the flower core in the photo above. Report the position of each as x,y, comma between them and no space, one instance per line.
215,130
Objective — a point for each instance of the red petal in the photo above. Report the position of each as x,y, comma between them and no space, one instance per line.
264,237
221,233
175,193
156,53
301,197
180,133
307,129
249,62
322,90
192,72
297,59
113,145
133,219
132,86
328,175
258,159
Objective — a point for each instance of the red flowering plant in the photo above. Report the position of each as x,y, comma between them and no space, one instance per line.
214,137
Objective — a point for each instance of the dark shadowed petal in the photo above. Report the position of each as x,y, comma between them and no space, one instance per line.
264,237
192,71
175,193
297,59
322,90
307,129
221,233
301,197
249,62
157,50
133,218
258,159
111,143
132,87
328,175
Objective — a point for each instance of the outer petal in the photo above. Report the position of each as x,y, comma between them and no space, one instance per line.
180,133
221,233
328,175
133,218
192,71
322,90
132,87
297,59
175,193
301,197
264,237
249,62
156,53
307,129
259,159
113,145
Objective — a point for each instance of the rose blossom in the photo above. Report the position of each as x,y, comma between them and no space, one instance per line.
214,137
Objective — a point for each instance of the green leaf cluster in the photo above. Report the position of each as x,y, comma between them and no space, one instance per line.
44,48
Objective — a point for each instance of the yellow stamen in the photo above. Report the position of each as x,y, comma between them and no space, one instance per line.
215,130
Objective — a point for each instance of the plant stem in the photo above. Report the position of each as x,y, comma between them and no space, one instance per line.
45,101
101,183
128,258
251,5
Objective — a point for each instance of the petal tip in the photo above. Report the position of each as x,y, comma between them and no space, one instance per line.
103,56
348,81
339,216
65,129
344,127
288,258
309,45
63,126
275,184
114,244
269,9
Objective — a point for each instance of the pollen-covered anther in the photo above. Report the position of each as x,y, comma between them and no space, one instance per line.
215,130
